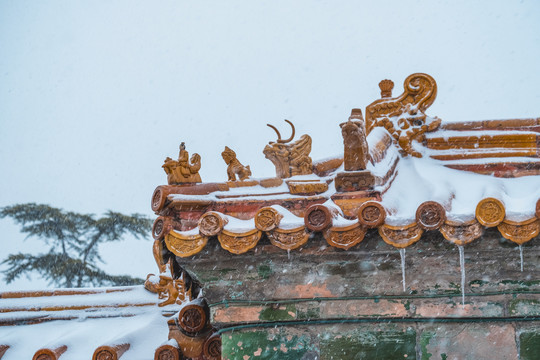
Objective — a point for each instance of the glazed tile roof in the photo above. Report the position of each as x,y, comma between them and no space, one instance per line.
415,195
74,323
400,174
417,174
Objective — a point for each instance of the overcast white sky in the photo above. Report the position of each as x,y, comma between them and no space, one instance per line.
95,94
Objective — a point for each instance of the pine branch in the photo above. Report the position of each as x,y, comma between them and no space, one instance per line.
56,268
112,227
62,271
77,236
116,225
47,223
99,278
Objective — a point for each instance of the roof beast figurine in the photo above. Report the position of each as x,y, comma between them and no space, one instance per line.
289,159
235,167
356,152
183,170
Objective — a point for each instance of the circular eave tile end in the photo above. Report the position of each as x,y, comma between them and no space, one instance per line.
318,218
430,215
490,212
371,214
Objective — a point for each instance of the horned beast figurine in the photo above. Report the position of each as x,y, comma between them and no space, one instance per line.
290,159
235,167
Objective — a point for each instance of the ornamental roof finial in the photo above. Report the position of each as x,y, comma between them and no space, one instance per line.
386,88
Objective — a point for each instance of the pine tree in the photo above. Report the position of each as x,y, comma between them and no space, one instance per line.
73,241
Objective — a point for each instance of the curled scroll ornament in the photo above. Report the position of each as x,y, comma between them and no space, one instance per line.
105,354
404,116
167,352
212,347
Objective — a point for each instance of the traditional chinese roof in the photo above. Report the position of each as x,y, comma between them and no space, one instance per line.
402,173
404,177
81,323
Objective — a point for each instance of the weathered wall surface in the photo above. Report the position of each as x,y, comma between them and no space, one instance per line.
320,302
434,341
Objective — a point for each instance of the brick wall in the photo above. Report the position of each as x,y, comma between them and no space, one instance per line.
320,302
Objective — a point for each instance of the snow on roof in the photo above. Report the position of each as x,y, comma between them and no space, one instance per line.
425,179
405,177
461,178
105,316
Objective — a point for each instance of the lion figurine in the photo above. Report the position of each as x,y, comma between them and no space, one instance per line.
234,166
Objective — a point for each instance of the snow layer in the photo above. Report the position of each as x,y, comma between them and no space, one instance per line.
236,225
135,295
289,220
143,327
144,333
423,179
445,134
415,181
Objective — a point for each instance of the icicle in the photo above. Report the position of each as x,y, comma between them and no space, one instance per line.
402,254
521,256
289,254
462,266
